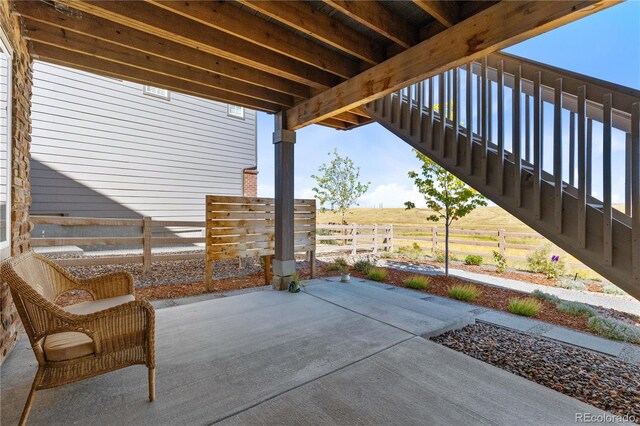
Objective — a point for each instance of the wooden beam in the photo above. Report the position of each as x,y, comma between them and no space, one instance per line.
247,26
124,36
59,56
305,18
378,18
48,34
162,23
469,40
444,11
335,124
348,117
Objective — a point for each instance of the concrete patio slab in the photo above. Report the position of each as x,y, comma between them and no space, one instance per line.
302,359
417,382
214,358
416,316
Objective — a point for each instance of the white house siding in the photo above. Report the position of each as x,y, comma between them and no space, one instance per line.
103,148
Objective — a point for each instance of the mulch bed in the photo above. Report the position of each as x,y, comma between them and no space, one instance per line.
599,380
174,291
491,297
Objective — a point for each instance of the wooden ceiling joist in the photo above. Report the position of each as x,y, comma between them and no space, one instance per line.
245,25
468,40
379,19
308,20
121,35
444,11
47,34
171,26
57,55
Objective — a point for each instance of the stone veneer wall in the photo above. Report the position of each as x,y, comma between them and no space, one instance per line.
250,183
20,191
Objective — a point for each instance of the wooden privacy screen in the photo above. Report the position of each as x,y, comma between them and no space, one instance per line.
240,227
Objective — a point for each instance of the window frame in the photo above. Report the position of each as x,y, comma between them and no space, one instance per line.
230,114
5,46
148,90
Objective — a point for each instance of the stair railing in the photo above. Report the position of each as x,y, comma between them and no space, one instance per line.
557,125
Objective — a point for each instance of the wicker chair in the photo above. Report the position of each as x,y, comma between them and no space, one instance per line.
82,340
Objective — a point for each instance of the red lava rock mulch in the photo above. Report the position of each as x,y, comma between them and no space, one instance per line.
491,297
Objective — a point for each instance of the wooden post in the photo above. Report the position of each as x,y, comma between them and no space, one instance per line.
557,155
469,121
268,275
146,244
434,239
391,237
607,229
516,137
501,241
284,263
312,263
354,233
581,219
375,238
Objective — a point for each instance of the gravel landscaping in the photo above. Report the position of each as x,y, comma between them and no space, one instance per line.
602,381
175,272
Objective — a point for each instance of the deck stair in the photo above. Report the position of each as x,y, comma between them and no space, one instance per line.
558,150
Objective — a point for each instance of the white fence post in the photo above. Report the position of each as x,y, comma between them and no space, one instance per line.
375,238
501,241
434,239
354,233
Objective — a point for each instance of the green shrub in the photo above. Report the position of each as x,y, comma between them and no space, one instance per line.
614,329
526,306
364,266
464,292
542,262
541,295
339,264
576,309
500,260
570,284
439,256
612,289
377,274
418,282
473,259
388,255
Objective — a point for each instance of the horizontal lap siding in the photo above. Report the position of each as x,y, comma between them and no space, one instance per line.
102,148
4,154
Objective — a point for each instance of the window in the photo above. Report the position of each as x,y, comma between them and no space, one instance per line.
236,111
155,91
5,147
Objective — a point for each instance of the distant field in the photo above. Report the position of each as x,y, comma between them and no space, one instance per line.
484,218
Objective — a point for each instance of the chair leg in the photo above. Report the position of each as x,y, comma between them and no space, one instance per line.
30,398
152,384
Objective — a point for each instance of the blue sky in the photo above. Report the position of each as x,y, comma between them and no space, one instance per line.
605,45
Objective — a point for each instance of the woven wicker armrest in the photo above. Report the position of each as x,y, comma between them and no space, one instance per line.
127,325
108,285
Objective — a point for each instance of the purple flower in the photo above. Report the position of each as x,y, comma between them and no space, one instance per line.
555,258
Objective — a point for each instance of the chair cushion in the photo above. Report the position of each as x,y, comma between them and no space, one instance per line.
98,305
69,345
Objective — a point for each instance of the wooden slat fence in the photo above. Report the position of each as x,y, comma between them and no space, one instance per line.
238,227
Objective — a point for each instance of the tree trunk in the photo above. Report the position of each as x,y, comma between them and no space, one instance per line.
446,249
